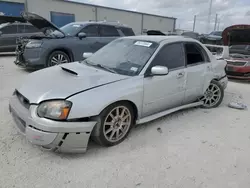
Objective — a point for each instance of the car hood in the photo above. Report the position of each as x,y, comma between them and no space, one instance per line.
10,19
236,35
40,22
60,82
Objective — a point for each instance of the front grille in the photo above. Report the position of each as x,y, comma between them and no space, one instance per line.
23,100
236,63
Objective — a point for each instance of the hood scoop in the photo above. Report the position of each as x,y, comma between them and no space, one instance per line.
69,71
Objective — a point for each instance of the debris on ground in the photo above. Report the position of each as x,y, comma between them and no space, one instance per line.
159,130
237,105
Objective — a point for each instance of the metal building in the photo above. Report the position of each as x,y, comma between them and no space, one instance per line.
62,12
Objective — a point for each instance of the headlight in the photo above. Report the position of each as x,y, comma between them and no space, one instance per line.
34,44
56,110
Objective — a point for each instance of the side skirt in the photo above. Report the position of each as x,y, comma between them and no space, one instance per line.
166,112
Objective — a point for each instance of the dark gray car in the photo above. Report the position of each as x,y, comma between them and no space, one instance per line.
11,28
66,44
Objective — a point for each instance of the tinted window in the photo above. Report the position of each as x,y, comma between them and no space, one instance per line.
127,31
194,54
108,31
171,56
91,30
10,29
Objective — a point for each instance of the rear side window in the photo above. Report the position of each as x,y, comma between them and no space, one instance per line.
10,29
195,54
91,30
127,31
108,31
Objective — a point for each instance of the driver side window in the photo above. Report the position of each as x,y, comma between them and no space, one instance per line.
91,30
171,56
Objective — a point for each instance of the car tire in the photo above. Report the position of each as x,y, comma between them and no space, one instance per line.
57,58
213,95
112,128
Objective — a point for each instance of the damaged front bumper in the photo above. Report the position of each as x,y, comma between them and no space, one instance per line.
66,137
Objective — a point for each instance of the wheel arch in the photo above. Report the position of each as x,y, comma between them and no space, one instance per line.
133,105
63,49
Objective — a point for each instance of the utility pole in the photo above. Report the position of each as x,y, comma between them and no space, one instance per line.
218,28
194,22
215,23
209,15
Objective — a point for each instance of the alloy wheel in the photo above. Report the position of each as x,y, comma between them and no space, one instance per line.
211,96
58,59
117,123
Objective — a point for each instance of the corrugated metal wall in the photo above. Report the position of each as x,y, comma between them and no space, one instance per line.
132,19
11,8
85,12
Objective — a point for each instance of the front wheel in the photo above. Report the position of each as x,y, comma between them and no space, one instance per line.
113,124
213,95
57,58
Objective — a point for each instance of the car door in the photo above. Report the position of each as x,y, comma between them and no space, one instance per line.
107,33
87,44
166,91
199,71
8,38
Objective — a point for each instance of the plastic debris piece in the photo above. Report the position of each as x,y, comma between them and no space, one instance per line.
237,105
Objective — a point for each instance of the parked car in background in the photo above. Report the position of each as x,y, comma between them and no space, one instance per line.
65,44
238,64
13,28
214,37
131,80
191,34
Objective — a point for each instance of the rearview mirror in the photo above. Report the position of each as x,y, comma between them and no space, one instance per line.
87,55
159,70
82,35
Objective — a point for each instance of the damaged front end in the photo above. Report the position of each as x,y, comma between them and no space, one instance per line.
20,47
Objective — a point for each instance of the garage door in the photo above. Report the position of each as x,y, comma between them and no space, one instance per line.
11,9
61,19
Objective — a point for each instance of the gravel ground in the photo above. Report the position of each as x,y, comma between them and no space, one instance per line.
190,149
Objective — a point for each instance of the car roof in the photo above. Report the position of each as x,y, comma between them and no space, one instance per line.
101,23
159,39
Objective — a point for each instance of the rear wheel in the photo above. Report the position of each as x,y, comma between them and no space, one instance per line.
57,58
114,124
213,95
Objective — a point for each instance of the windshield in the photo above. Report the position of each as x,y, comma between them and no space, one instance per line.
217,33
124,56
71,29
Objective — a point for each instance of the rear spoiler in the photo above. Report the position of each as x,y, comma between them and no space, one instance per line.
220,52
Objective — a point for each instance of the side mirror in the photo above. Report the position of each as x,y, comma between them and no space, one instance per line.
87,55
159,70
82,35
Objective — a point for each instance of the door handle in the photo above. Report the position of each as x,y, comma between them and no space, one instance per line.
180,74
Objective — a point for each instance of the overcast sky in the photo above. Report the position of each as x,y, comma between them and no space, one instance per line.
229,11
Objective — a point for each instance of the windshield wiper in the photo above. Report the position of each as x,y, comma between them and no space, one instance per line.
105,68
87,62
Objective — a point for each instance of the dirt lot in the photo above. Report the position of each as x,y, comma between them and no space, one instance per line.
189,149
